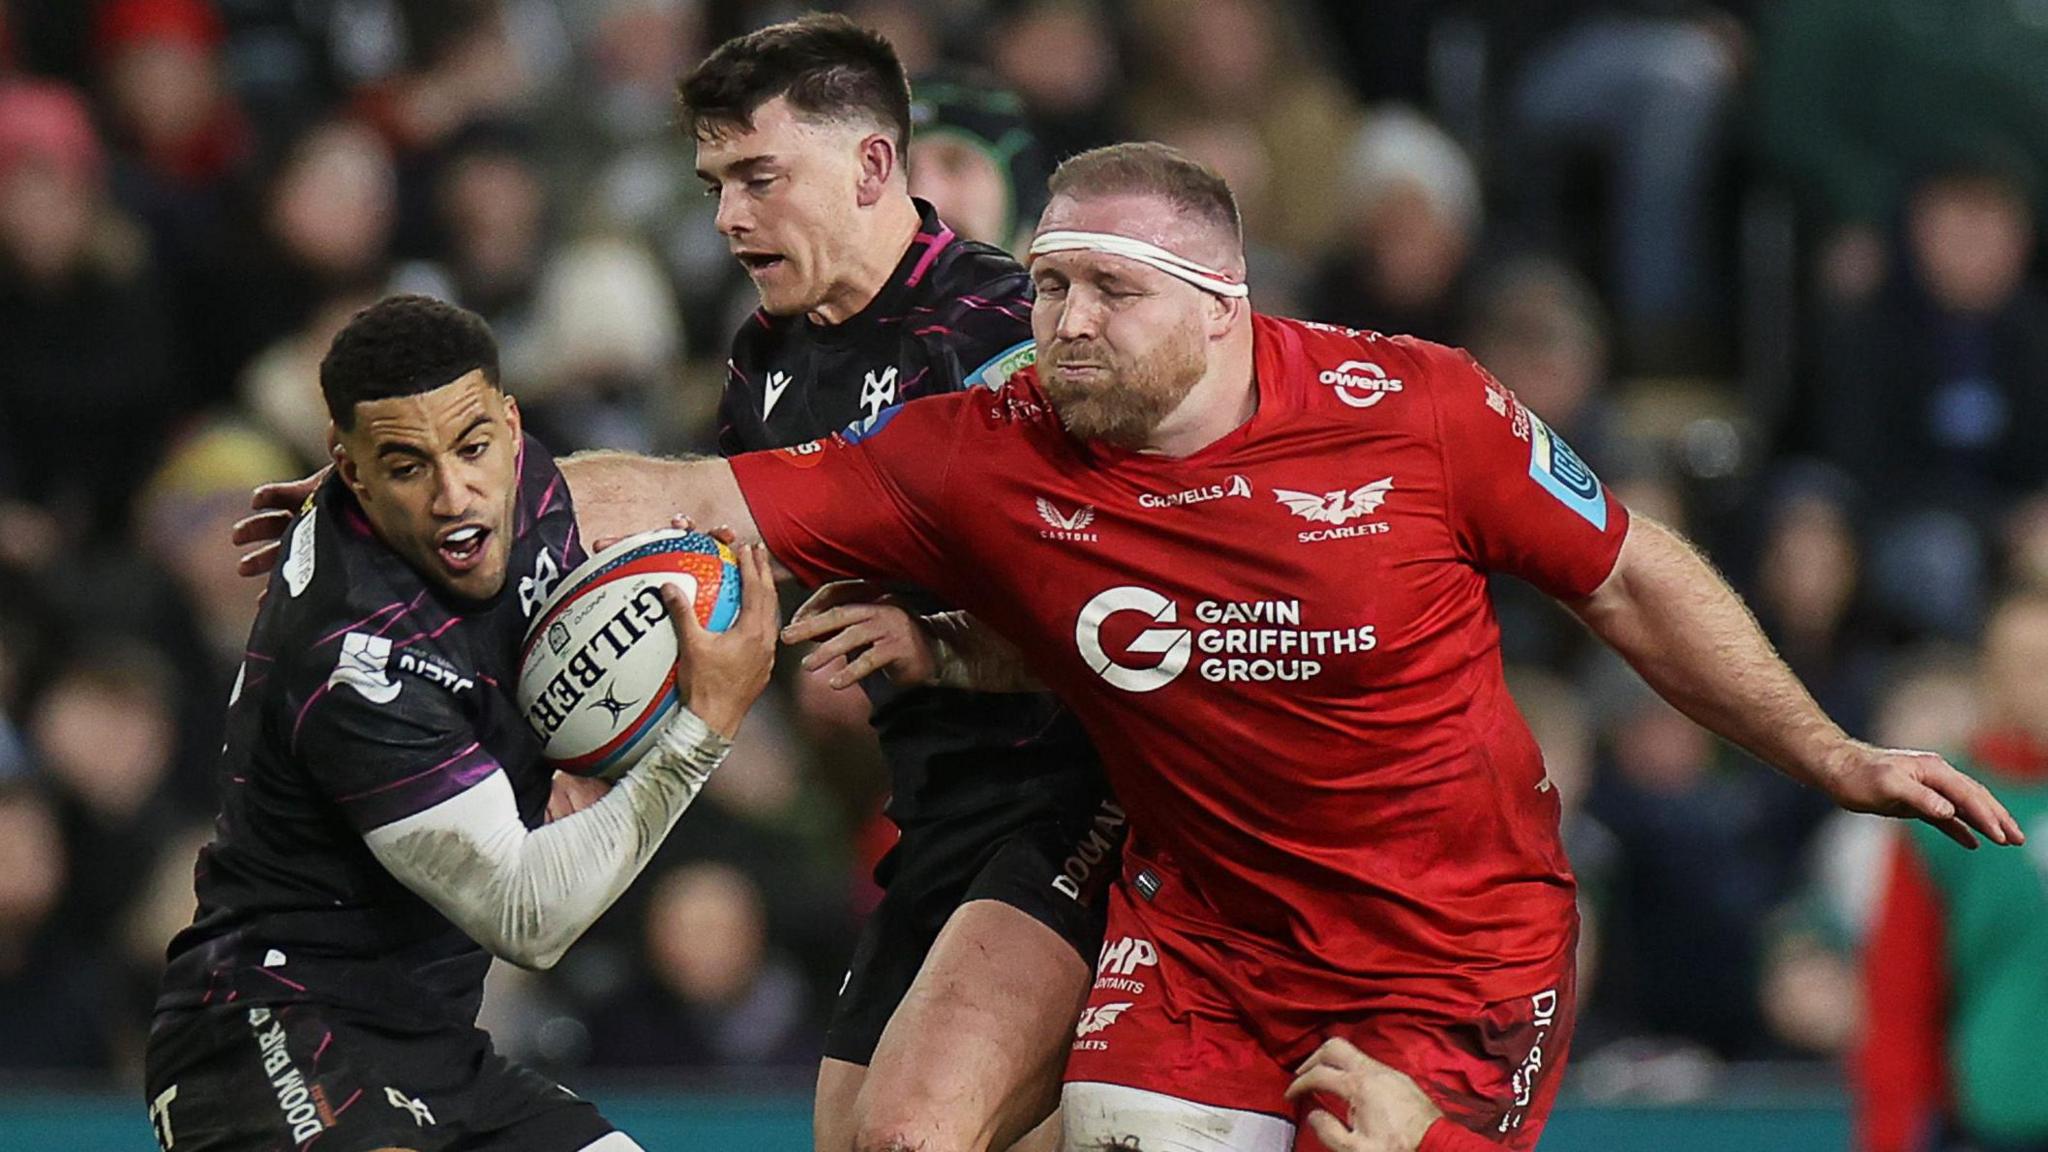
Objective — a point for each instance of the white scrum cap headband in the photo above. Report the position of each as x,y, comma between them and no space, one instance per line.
1181,268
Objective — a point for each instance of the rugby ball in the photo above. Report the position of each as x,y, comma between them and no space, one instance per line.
597,673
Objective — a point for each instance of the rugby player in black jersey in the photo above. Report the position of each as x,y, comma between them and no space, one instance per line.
382,830
958,1008
957,1013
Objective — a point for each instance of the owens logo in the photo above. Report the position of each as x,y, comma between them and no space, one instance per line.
1360,383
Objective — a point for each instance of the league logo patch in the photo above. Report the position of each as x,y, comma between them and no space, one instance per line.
365,665
1554,465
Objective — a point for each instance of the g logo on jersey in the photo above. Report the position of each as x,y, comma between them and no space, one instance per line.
1174,645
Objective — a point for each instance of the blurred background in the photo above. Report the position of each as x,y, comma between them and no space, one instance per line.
1771,267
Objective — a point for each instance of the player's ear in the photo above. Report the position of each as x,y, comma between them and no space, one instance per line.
1222,315
344,464
513,419
879,163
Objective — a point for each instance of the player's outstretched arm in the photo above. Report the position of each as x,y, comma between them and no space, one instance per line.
527,894
853,621
619,493
1666,611
1389,1113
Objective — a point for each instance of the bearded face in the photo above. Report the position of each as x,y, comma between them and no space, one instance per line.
1117,388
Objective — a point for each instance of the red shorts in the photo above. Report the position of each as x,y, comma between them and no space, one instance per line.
1158,1022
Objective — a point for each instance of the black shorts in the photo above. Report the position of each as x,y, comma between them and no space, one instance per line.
268,1079
1053,862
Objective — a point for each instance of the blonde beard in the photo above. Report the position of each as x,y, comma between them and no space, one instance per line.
1126,409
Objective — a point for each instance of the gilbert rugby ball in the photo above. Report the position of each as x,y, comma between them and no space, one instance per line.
597,675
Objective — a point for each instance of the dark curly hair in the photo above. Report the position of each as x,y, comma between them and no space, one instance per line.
403,346
827,66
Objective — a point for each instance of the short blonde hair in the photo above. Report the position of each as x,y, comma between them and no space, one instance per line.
1152,169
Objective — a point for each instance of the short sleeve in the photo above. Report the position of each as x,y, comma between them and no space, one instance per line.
383,745
868,502
1520,501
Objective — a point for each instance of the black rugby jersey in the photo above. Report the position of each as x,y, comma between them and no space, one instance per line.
955,314
367,694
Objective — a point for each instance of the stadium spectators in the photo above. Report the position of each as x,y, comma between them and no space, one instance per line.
1401,261
1953,991
195,194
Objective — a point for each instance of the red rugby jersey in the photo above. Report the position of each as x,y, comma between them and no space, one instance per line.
1282,645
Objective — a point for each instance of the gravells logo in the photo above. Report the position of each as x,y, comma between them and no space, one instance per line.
1242,641
593,662
1360,383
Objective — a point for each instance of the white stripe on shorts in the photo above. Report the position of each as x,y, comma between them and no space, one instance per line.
1098,1116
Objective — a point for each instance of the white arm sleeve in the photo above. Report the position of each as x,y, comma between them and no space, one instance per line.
527,894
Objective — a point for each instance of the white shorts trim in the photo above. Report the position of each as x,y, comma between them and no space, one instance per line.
1098,1116
613,1142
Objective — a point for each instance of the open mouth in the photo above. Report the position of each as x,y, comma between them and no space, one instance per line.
758,262
461,549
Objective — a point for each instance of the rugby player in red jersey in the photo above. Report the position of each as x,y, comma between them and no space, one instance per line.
1251,553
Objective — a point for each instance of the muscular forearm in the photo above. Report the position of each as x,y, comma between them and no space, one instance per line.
1674,619
527,894
968,654
619,494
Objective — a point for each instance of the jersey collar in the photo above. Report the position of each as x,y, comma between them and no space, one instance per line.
912,271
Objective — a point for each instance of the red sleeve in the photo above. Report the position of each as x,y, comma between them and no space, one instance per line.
1445,1136
1519,499
868,502
1899,1070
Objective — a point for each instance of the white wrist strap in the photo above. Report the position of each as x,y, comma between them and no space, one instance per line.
1144,252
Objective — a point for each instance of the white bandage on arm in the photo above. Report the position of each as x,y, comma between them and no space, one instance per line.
526,894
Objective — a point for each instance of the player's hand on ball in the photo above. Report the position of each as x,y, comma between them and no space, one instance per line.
274,505
571,794
1918,786
721,673
852,621
1388,1112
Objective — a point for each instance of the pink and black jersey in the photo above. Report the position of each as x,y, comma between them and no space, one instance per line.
1282,645
367,694
955,315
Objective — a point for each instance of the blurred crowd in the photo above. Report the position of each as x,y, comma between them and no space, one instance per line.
1769,267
